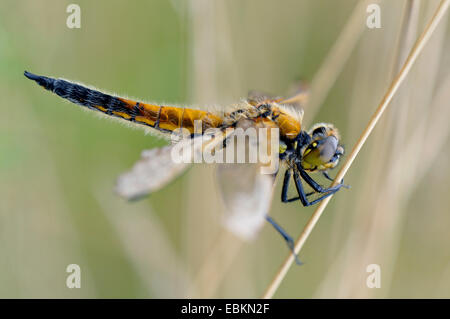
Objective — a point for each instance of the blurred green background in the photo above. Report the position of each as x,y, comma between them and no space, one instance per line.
58,164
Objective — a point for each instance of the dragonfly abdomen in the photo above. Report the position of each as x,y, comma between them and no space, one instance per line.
162,118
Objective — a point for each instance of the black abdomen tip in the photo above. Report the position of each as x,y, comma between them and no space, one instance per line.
31,76
47,83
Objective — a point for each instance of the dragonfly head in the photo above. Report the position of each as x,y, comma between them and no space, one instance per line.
323,150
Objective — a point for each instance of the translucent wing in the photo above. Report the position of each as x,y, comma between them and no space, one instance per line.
298,92
153,171
256,95
245,188
247,196
299,95
157,167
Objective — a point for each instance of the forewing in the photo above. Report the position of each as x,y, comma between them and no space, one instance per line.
158,166
153,171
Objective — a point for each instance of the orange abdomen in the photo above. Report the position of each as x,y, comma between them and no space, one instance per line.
163,118
169,118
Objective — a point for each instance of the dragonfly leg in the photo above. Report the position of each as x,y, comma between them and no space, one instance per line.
286,237
284,191
311,182
325,173
303,196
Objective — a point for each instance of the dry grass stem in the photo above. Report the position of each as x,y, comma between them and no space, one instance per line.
385,210
393,88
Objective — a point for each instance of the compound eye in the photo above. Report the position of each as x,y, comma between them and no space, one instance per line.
321,151
327,148
320,130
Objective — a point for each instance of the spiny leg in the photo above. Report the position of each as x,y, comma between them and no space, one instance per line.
287,238
301,192
311,182
284,191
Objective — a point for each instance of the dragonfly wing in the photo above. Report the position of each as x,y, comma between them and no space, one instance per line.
157,167
247,188
260,96
299,95
153,171
247,196
298,92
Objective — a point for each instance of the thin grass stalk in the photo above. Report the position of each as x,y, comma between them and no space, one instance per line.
399,181
393,88
393,127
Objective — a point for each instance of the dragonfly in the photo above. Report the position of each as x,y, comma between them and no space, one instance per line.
246,193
